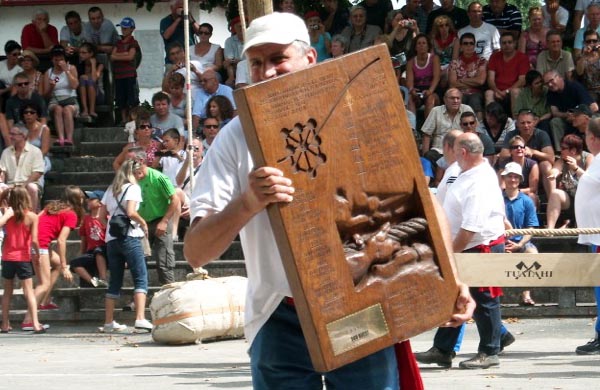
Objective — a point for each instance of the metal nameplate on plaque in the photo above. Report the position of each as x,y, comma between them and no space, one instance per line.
357,329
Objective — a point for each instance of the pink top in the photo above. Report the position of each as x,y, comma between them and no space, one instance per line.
424,75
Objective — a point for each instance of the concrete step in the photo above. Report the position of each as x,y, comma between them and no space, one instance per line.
559,244
85,163
53,192
100,179
106,148
103,134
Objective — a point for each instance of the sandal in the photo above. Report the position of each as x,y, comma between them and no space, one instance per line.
6,330
68,142
526,300
60,142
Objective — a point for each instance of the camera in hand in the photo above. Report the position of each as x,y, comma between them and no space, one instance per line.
399,60
596,48
314,26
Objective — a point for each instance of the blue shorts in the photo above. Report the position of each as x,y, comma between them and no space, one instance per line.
23,269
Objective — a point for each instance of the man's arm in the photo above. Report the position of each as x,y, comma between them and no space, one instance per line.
170,30
211,235
161,227
461,240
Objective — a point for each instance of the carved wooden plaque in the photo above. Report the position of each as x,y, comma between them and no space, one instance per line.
361,244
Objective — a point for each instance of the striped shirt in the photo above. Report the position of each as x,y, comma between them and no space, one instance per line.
509,19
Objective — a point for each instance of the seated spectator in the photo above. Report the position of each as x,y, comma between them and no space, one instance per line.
210,87
8,69
338,45
172,27
286,6
39,133
172,157
91,264
562,96
335,16
234,46
376,10
208,54
588,64
592,13
555,58
401,37
487,37
444,38
90,80
555,16
72,36
458,15
423,76
176,56
163,118
143,141
178,98
320,39
40,36
530,170
360,34
564,177
221,108
242,74
29,62
505,17
506,72
520,214
533,97
210,129
60,87
533,40
24,93
580,118
468,73
470,124
101,31
441,120
497,124
124,65
22,163
537,144
183,176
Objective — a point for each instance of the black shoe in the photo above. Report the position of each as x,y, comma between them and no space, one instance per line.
435,356
506,340
591,348
481,360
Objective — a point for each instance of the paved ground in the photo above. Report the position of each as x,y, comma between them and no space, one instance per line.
76,357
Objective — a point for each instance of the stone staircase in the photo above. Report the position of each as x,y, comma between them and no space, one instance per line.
88,164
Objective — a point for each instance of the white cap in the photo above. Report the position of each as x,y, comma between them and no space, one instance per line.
512,167
279,27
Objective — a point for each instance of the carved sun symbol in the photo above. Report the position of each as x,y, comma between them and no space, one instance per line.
303,148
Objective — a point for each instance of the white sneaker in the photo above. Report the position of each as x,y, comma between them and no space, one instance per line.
94,281
143,325
113,327
102,283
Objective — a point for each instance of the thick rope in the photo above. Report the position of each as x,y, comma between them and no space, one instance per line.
551,232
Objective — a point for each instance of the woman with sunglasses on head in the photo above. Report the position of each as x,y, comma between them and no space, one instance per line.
443,37
143,141
209,54
533,40
588,64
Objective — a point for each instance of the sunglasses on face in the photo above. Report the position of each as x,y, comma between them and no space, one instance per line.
517,147
145,127
23,84
468,123
591,41
211,126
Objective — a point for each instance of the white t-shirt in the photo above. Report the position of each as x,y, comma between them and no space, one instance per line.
134,192
171,165
487,39
563,16
587,197
7,75
450,175
474,203
223,176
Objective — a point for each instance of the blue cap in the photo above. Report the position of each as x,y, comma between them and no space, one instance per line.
94,194
127,22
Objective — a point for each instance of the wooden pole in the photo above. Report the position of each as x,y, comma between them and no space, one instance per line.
257,8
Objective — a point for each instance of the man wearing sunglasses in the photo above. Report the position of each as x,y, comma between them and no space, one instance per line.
13,104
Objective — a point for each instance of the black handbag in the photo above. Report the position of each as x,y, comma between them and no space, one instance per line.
70,101
119,224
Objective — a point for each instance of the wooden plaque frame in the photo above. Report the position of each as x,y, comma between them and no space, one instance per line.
339,131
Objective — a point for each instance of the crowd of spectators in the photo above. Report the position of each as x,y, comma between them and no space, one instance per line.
527,96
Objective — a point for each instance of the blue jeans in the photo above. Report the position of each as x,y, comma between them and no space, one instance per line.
128,250
279,359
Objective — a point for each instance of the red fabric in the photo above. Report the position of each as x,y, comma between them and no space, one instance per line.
507,73
125,69
408,369
494,291
93,231
17,242
50,225
30,37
